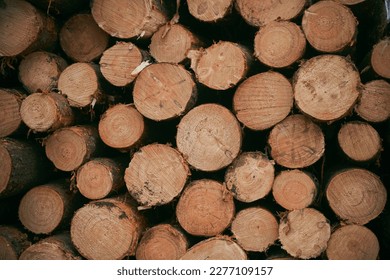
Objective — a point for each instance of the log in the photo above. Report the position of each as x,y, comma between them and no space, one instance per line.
209,137
48,207
12,242
215,248
260,14
60,7
23,165
172,42
380,58
329,27
374,103
164,91
55,247
263,100
255,229
294,189
39,71
81,38
326,87
25,30
209,12
222,65
121,63
296,142
128,18
162,242
100,177
352,242
107,229
69,147
304,233
356,195
279,44
205,208
359,141
80,83
44,112
156,175
250,176
11,121
122,127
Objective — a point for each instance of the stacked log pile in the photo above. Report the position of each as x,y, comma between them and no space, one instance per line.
193,129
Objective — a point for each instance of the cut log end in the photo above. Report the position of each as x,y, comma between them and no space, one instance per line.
12,243
11,121
6,168
250,177
203,10
205,208
380,58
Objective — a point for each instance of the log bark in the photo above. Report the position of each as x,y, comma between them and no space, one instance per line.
162,242
156,175
205,208
263,100
209,12
304,233
296,142
326,87
25,30
380,58
356,195
294,189
40,71
250,176
44,112
82,39
255,229
11,121
12,242
164,91
209,137
60,7
352,242
107,229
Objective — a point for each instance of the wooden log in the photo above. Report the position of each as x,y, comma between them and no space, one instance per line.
356,195
205,208
263,100
43,112
296,142
250,176
121,63
23,166
216,248
260,14
304,233
55,247
352,242
48,207
156,175
255,229
359,141
162,242
100,177
80,83
107,229
222,65
209,12
25,30
209,137
294,189
39,71
279,44
329,26
122,127
10,121
380,58
374,103
129,18
326,87
60,7
164,91
82,39
69,147
12,242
